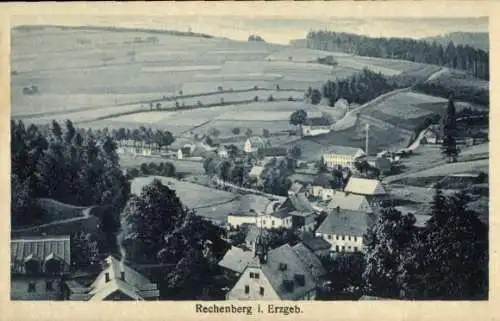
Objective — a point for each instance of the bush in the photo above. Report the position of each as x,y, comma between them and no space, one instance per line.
270,98
255,87
236,131
256,98
291,98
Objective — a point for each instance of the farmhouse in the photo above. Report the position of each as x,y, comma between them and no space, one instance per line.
295,188
316,126
278,219
117,282
132,147
250,208
342,156
253,144
38,266
193,151
236,260
319,246
344,229
348,201
222,152
433,135
278,274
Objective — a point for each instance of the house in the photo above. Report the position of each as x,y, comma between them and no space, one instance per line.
38,266
222,152
344,229
303,220
432,135
297,202
252,234
193,151
249,208
184,152
277,274
310,260
341,103
342,156
316,126
252,144
277,219
135,148
117,282
348,201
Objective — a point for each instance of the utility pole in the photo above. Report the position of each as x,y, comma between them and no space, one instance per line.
367,129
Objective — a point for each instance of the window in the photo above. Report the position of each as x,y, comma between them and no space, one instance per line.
247,289
343,237
261,291
336,248
349,238
251,275
263,221
355,239
355,249
256,275
329,236
49,286
272,222
32,287
337,237
343,248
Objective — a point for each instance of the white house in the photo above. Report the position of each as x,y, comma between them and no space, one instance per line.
342,155
223,152
278,219
135,148
347,201
278,274
117,282
341,104
345,229
253,144
249,209
316,126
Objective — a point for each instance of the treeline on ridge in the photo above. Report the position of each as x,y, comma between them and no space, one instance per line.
474,61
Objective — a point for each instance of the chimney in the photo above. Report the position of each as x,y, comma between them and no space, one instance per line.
106,277
122,275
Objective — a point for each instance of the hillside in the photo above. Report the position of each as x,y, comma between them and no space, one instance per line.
479,40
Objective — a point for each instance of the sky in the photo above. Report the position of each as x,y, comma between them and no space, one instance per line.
273,26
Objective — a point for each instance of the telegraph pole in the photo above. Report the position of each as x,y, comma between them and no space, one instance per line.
367,128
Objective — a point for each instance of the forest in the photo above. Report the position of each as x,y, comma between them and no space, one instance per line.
474,61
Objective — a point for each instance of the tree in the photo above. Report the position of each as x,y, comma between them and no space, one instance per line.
449,146
248,132
455,251
265,132
388,243
315,97
298,118
214,132
84,250
236,131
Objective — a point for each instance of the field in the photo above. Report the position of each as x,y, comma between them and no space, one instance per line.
191,195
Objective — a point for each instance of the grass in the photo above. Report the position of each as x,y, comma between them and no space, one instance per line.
191,195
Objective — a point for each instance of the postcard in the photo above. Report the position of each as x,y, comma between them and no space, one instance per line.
301,160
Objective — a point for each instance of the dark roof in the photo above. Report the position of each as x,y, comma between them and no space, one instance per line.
298,202
318,121
294,266
272,151
186,150
310,260
345,222
301,214
280,213
316,243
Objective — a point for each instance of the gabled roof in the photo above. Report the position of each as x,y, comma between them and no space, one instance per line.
345,222
256,141
344,150
282,213
310,260
236,259
136,286
294,266
346,201
298,202
39,248
364,186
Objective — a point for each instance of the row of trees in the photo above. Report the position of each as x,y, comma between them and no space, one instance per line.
64,164
145,169
475,61
447,259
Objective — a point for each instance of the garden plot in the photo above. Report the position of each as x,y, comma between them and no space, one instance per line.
191,195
